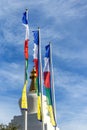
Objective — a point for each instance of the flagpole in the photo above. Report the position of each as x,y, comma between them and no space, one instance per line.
27,13
40,76
52,84
25,119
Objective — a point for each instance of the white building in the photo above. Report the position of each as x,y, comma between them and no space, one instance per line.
32,122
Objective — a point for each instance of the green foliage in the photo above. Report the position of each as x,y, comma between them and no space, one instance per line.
8,127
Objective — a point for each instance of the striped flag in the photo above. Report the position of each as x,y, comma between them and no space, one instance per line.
36,64
36,50
47,68
25,23
24,91
47,84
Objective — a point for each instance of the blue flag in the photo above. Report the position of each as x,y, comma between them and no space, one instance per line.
36,37
24,18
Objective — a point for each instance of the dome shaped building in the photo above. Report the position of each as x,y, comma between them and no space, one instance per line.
32,122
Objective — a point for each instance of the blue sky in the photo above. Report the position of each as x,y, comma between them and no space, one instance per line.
63,22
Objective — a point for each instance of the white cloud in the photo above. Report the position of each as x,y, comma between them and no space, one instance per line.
74,125
71,108
65,9
74,84
76,54
11,76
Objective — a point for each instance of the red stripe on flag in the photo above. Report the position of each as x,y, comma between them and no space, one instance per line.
26,49
36,66
47,79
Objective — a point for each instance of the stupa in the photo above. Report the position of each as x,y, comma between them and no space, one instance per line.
32,122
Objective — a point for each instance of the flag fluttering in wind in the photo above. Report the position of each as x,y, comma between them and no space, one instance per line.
36,64
47,84
25,23
47,68
36,50
24,92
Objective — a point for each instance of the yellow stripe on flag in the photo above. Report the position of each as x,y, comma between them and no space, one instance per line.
24,97
51,114
39,115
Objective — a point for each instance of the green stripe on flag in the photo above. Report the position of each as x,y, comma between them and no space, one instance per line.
26,69
50,106
26,63
39,113
48,96
37,86
26,75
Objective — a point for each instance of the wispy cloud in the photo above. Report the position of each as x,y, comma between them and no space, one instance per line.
11,76
72,54
59,12
72,125
72,83
71,98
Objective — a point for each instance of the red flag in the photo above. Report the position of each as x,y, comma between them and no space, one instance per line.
47,79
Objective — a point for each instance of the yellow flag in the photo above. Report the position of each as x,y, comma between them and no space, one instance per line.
39,115
24,97
51,114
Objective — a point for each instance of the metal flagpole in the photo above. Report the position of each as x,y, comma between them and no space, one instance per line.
25,119
52,84
40,76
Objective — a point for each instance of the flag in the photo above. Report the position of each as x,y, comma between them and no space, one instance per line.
36,50
36,64
36,57
24,91
25,23
24,18
24,97
47,84
47,68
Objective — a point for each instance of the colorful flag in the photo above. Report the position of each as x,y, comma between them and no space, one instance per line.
47,68
36,50
47,84
25,23
36,57
24,91
36,64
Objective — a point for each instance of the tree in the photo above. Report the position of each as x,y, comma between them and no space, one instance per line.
8,127
3,127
